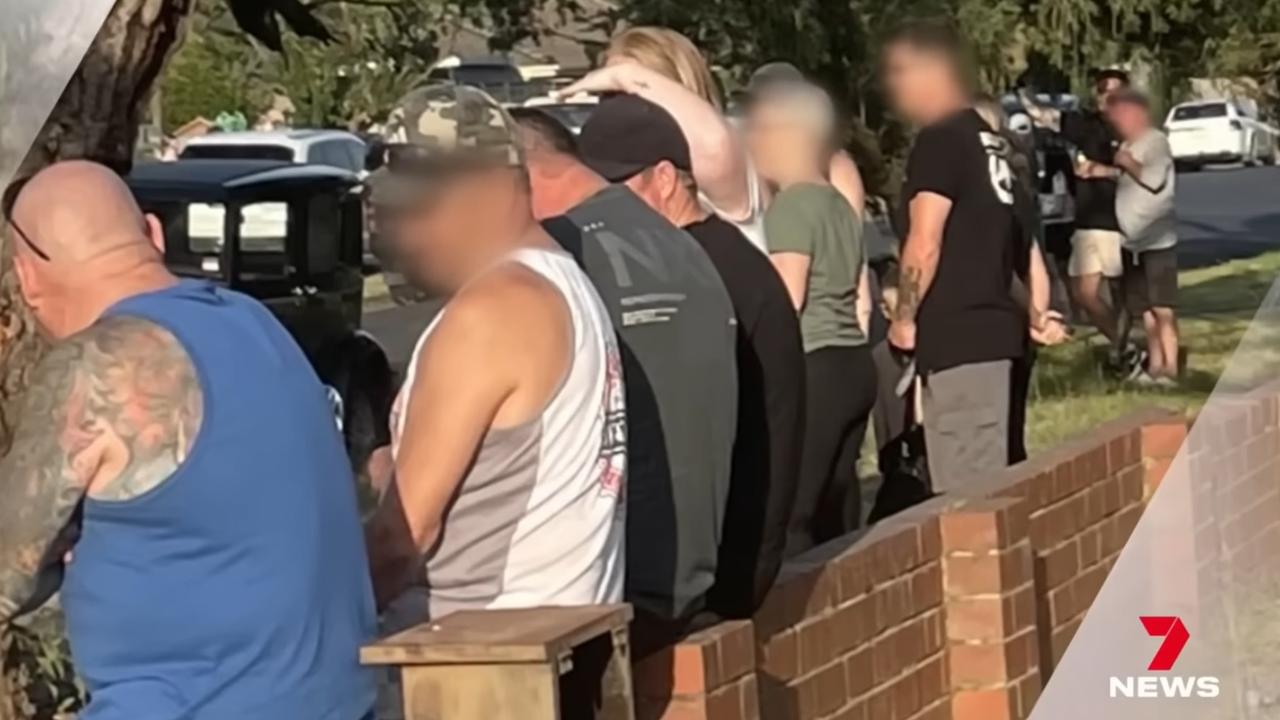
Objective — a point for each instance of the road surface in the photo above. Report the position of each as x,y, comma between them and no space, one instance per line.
1223,215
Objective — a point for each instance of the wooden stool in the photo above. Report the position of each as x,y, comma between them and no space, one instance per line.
500,664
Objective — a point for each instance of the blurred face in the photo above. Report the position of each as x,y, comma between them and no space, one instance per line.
454,229
779,146
1130,120
915,79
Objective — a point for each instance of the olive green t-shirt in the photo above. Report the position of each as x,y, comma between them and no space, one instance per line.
816,220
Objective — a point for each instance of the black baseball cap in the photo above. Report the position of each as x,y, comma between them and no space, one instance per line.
627,135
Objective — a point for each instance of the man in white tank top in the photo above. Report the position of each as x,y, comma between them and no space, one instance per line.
509,435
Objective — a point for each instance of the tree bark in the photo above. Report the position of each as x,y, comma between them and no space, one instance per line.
97,118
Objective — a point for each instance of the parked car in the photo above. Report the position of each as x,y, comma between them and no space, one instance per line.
1218,131
334,148
289,235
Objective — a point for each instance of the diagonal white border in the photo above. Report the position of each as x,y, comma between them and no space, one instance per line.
41,44
1167,568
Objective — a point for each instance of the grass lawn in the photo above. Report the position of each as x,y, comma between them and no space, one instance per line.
1071,394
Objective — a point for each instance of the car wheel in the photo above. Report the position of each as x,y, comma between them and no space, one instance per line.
361,390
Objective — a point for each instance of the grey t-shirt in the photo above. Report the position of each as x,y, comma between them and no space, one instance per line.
678,339
1144,204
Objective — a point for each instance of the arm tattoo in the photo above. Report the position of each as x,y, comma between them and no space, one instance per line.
909,295
113,412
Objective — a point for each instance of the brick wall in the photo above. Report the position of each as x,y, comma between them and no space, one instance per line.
957,609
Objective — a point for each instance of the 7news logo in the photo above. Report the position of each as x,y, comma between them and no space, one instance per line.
1175,637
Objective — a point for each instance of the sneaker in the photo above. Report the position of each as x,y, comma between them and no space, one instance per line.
1164,382
1142,379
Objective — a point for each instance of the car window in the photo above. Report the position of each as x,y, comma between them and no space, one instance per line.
329,152
264,227
1200,112
238,152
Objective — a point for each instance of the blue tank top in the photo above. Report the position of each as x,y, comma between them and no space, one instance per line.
239,587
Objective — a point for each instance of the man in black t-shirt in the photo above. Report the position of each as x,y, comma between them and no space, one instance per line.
963,245
1095,245
678,336
632,141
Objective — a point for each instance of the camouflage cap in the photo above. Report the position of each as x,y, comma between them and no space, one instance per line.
441,128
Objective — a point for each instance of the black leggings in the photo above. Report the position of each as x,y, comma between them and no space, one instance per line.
840,384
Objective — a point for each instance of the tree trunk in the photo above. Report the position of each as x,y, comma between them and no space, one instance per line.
97,117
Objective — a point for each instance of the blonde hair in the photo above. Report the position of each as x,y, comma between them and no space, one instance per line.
668,53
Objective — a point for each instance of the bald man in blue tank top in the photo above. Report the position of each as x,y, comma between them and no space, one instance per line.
179,431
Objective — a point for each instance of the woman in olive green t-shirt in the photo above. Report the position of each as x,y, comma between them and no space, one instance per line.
815,241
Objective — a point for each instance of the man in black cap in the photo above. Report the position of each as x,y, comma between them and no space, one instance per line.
677,330
632,141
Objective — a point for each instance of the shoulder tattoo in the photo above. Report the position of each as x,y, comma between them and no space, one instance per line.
113,412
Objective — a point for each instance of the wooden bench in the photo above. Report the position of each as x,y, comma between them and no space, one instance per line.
535,664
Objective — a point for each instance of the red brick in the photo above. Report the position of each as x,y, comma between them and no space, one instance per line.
750,697
938,711
1060,564
906,695
800,592
926,588
854,574
725,704
975,619
1028,693
1061,638
934,633
817,645
780,656
1162,439
1062,604
853,624
1123,452
984,705
831,688
930,539
676,708
973,530
1090,545
894,555
880,703
853,711
892,603
859,673
737,647
934,683
978,664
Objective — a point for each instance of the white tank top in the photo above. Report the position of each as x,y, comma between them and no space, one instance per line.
539,517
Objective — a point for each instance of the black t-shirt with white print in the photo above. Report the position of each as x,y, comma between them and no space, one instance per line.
968,315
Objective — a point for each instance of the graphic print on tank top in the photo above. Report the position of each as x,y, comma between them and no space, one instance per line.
611,467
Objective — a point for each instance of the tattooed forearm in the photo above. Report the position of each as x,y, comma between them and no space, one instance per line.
112,411
909,294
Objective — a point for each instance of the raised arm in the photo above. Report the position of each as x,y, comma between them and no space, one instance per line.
920,254
111,412
718,156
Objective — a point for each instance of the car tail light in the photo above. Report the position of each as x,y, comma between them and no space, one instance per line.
1235,125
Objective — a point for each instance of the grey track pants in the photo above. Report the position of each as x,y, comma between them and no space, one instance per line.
966,422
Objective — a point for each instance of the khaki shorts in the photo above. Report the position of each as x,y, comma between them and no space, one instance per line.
1095,252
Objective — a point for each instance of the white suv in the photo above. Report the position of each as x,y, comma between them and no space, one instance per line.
1216,131
310,147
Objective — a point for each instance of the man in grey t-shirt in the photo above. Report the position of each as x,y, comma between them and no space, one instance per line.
679,338
1145,209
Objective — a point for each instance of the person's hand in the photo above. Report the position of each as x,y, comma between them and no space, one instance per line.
1126,161
902,335
1049,328
608,79
1086,169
